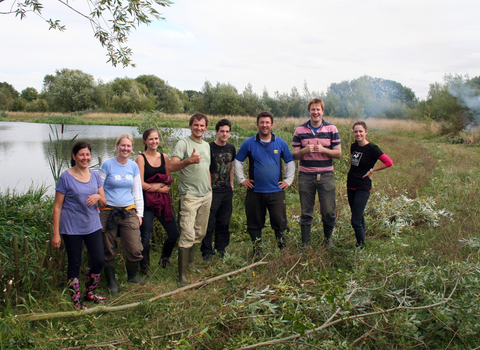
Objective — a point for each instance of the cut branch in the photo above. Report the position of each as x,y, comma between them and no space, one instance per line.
99,309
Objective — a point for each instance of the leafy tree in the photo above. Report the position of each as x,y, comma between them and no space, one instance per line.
69,90
130,96
166,97
9,98
369,97
122,17
29,94
38,105
251,103
192,101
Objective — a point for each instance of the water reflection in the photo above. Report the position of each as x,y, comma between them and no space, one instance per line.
25,148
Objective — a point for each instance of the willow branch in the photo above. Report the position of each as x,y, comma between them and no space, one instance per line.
99,309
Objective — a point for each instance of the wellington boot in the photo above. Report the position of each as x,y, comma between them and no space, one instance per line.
91,284
109,270
166,254
145,262
305,231
74,287
132,272
327,231
182,266
191,260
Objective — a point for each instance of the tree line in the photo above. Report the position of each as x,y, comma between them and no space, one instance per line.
456,100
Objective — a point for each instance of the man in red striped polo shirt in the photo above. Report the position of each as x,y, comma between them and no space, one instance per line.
315,144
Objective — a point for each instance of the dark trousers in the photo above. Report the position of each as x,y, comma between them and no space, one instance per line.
256,206
73,246
219,221
357,199
146,229
308,186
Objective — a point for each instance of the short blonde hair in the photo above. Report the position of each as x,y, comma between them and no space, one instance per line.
123,136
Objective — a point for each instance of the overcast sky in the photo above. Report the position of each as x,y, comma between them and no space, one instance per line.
272,44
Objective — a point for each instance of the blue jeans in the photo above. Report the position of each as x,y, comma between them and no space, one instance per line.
219,221
74,246
308,186
357,199
147,227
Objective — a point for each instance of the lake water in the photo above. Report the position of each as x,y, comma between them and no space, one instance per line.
25,149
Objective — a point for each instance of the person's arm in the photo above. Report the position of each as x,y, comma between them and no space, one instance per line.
138,196
97,198
57,210
289,174
102,201
386,163
176,164
141,166
240,175
232,175
299,152
335,152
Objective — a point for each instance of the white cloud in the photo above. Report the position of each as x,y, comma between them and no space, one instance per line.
272,44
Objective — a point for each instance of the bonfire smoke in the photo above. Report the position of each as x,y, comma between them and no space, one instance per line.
468,97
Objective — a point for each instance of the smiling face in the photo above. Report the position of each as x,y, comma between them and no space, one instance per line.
360,133
152,141
82,158
124,148
198,128
316,114
265,126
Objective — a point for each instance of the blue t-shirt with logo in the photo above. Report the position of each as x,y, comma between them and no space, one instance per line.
119,182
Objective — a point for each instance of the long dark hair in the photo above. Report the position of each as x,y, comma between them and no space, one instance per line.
147,133
77,147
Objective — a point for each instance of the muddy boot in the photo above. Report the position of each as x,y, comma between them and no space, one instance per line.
182,266
305,231
109,270
256,236
132,272
91,284
327,231
280,239
74,288
166,254
191,260
145,262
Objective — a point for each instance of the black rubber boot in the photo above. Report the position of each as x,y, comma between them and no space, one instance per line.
167,250
256,236
305,231
280,239
327,231
109,270
132,272
145,262
182,266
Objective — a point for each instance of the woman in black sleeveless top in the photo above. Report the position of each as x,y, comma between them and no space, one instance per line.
154,164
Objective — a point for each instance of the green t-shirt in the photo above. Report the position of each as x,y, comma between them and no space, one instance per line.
194,178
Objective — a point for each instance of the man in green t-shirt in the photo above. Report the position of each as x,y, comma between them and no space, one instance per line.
191,157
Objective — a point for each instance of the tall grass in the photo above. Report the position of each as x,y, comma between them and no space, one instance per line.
415,286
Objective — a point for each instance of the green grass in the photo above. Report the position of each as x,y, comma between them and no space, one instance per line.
422,238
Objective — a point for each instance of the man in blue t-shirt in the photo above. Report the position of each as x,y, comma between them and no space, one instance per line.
265,184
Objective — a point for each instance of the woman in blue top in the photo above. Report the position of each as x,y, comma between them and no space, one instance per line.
124,211
75,217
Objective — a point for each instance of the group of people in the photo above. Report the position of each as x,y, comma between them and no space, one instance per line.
129,195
